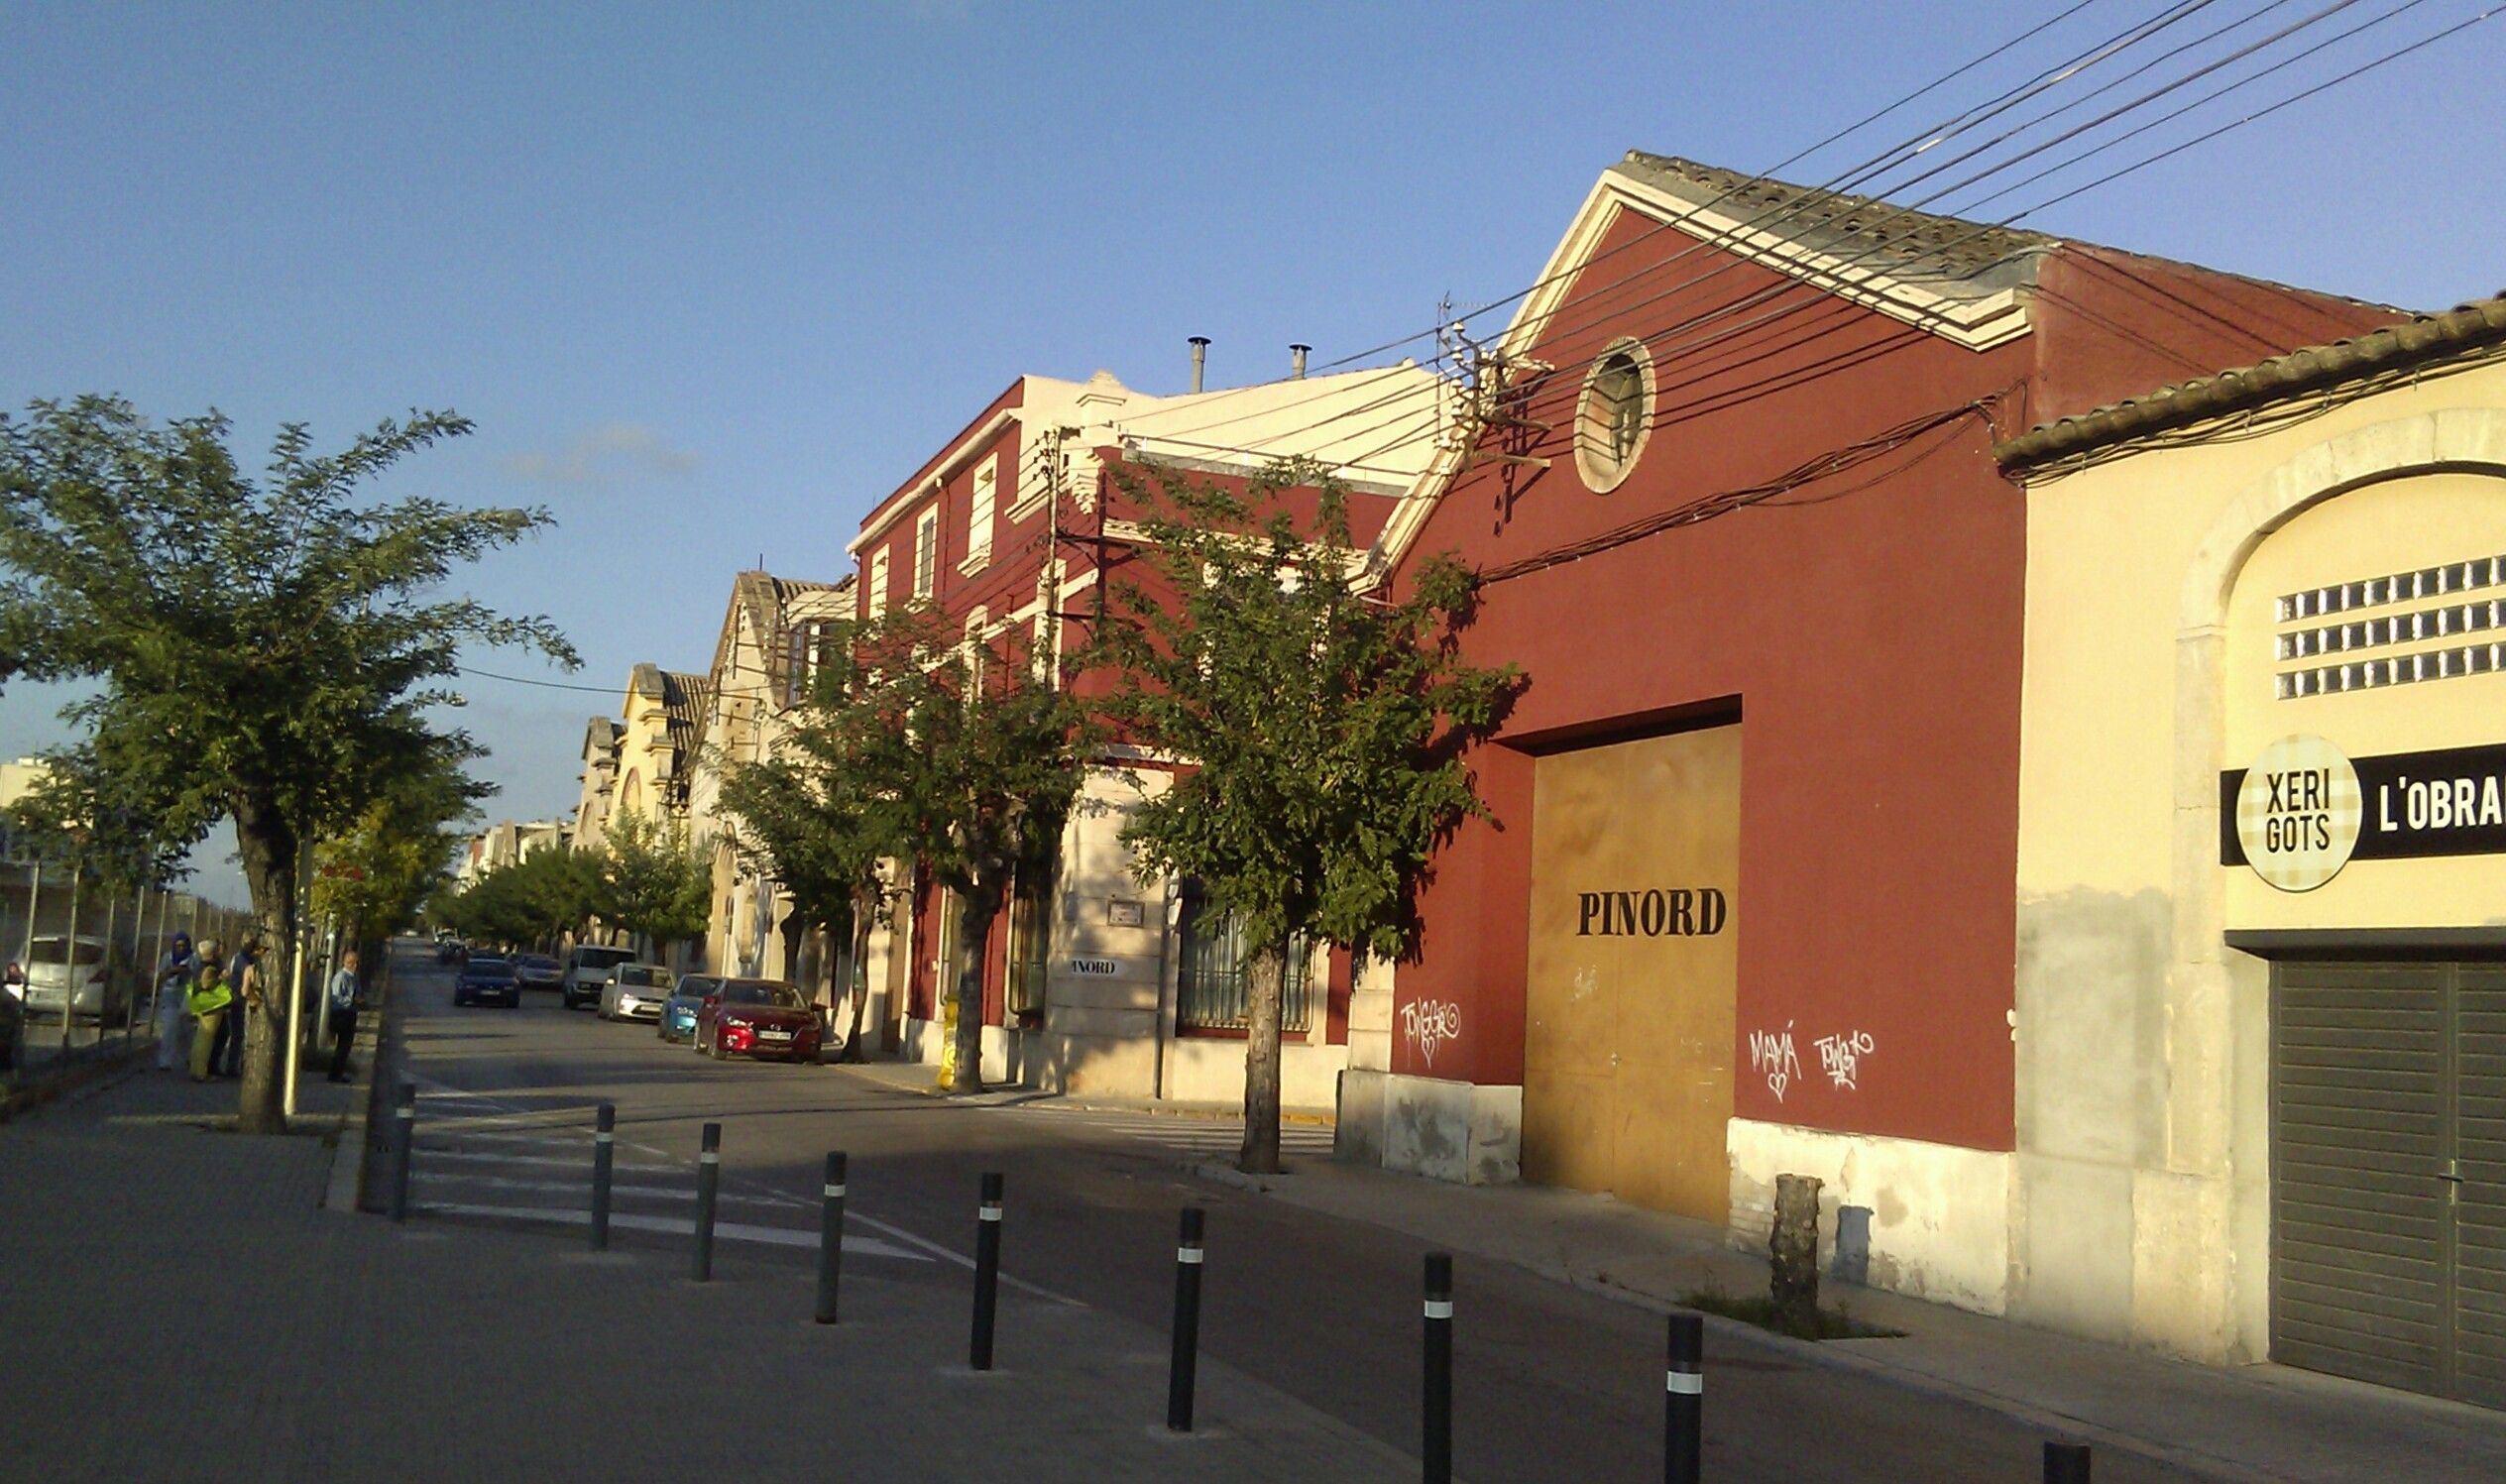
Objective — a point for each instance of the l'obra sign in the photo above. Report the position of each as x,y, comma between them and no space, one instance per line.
2304,811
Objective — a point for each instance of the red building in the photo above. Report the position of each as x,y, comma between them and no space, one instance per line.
1015,530
1747,903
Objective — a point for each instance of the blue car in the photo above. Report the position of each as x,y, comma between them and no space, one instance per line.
678,1012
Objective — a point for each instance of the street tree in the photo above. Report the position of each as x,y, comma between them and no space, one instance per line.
1324,729
371,880
649,881
804,818
967,762
265,650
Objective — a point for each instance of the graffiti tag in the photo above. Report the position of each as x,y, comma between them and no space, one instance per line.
1771,1054
1428,1023
1839,1056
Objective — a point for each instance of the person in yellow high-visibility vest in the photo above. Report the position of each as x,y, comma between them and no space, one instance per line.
211,1001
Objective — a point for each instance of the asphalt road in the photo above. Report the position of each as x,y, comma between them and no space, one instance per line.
1550,1383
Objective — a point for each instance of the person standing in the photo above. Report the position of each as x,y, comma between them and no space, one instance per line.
173,985
243,978
211,1004
342,1000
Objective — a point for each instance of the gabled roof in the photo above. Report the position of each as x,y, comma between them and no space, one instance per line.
2413,342
768,601
1838,225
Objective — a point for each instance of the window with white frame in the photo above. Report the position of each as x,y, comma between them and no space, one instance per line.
979,525
926,552
879,582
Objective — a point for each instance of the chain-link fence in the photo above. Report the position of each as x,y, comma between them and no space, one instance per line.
83,961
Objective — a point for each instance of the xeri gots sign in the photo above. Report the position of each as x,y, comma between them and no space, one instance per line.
2297,813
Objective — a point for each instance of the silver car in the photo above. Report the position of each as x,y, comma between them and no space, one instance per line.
101,980
635,991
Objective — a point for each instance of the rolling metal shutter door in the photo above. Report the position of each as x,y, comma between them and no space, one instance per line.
2359,1227
2479,1214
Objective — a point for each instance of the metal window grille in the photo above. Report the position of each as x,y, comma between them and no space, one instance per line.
1214,981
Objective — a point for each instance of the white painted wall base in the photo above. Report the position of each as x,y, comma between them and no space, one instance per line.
1940,1215
1211,1069
1422,1125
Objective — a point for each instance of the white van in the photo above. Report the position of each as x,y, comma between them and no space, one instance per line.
587,967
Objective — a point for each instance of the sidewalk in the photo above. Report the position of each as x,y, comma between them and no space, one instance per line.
179,1307
2258,1423
921,1077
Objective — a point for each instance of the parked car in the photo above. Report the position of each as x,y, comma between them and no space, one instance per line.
756,1018
678,1012
587,964
539,972
485,978
635,991
102,980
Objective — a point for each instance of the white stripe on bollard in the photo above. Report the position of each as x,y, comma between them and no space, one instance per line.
604,1138
835,1192
1439,1309
709,1158
988,1213
1188,1254
1684,1383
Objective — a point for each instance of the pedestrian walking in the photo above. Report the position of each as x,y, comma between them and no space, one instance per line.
243,980
175,972
212,1005
343,1011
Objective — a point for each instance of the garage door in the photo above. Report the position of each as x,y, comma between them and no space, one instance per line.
2389,1174
1628,1036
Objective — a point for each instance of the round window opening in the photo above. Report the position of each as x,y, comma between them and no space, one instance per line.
1615,414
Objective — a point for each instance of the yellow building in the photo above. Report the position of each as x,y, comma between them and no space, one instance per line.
2261,989
761,658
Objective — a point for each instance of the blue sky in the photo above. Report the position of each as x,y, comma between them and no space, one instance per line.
711,279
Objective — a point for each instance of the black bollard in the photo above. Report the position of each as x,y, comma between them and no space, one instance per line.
604,1152
1683,1398
403,1148
1180,1372
1436,1445
2065,1463
986,1273
709,1173
831,1239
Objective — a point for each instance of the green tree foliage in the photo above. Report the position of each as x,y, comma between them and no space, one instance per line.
1327,728
806,818
533,902
648,880
371,880
266,647
966,762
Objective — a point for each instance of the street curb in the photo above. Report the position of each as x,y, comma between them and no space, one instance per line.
1229,1175
348,1169
1871,1364
27,1098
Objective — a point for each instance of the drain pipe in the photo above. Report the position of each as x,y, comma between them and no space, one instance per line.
1200,359
1297,362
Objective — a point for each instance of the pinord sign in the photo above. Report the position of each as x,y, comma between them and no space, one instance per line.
2303,810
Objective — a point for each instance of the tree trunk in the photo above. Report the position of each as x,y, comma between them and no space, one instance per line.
1792,1243
267,847
858,975
977,909
1264,977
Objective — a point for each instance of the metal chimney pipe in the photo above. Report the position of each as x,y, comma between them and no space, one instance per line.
1200,358
1297,362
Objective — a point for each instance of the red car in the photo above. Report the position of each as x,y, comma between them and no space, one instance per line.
756,1018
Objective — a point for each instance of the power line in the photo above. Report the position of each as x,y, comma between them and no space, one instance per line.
1724,311
1956,124
1593,302
553,685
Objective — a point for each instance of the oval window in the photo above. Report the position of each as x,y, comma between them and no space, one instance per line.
1615,416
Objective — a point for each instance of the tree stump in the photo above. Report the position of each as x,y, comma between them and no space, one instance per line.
1793,1245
